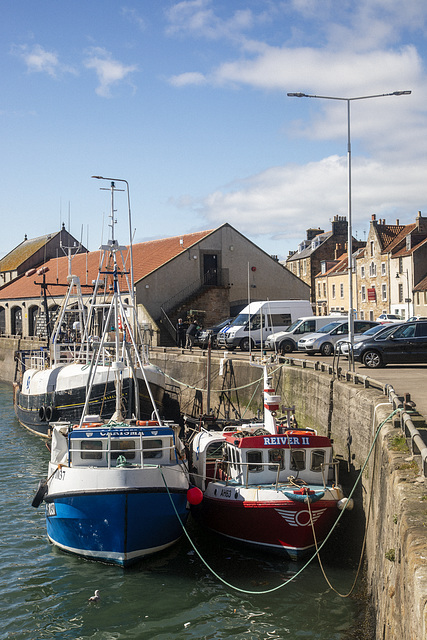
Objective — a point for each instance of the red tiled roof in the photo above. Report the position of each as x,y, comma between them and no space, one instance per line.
422,285
147,257
420,241
391,235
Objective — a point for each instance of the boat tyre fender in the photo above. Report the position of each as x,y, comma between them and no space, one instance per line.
40,494
48,413
42,414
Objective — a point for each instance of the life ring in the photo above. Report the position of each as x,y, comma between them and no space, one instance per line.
42,414
48,413
147,423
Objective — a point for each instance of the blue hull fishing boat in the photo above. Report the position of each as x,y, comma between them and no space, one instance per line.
116,491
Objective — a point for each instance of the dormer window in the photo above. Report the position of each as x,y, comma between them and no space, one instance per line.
323,266
408,242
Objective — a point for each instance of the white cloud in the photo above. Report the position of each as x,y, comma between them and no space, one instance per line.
188,78
108,70
39,60
133,16
196,17
285,201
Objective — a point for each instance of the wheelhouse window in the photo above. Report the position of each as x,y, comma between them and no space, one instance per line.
254,459
317,459
91,449
214,451
276,457
297,459
152,449
123,447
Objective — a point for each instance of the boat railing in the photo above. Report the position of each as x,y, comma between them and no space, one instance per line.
222,471
325,467
124,457
67,352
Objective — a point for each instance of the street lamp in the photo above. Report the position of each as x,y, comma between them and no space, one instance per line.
408,300
350,231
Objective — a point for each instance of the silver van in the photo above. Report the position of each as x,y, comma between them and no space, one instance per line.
286,341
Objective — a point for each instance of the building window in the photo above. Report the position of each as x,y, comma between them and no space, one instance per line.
333,291
372,248
363,293
371,315
362,315
304,266
324,289
298,269
362,272
372,270
342,290
383,292
400,292
400,265
383,271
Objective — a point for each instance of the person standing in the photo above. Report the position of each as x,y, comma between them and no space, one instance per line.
191,335
180,333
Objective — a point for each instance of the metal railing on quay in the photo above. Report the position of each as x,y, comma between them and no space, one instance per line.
418,445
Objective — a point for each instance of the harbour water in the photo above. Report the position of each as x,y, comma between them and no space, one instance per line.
171,596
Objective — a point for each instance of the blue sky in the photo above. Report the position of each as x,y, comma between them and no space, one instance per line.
187,102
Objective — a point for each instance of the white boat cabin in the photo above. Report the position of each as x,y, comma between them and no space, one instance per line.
117,445
254,456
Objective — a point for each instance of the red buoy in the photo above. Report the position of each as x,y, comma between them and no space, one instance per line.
194,496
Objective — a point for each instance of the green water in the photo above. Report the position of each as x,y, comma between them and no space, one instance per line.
44,592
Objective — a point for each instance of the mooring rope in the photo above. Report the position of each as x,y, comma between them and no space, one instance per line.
318,547
346,595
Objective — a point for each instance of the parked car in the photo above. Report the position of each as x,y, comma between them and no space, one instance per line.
343,344
389,317
400,343
414,318
286,341
326,338
202,339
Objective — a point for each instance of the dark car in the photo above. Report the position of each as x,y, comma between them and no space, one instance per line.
202,339
399,343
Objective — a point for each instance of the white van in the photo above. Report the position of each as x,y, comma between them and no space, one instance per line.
287,341
258,320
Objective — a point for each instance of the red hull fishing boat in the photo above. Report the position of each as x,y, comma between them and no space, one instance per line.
268,483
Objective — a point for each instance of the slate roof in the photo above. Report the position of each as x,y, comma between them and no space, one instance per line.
308,251
147,257
23,251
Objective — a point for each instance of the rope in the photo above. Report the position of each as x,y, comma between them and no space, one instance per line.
346,595
318,547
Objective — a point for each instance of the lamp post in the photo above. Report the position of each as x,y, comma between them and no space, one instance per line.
349,211
408,300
